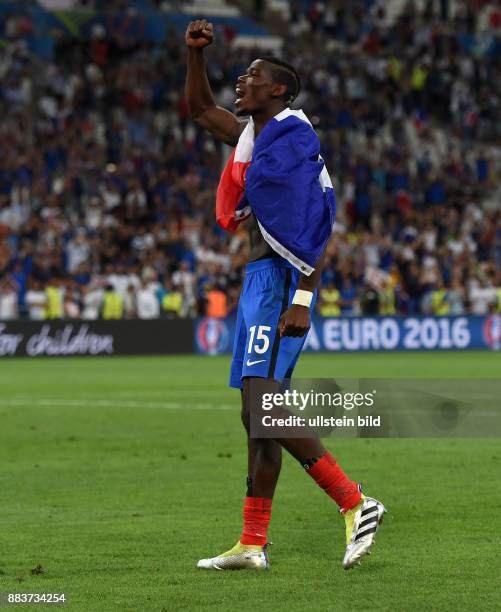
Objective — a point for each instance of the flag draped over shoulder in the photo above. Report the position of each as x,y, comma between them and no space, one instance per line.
281,178
231,206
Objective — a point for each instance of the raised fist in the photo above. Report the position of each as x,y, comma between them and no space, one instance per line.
199,34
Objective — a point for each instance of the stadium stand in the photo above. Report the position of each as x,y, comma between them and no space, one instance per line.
107,188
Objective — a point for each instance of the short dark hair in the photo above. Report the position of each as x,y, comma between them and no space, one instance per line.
285,74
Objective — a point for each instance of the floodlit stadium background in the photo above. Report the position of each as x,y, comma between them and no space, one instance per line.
118,473
107,187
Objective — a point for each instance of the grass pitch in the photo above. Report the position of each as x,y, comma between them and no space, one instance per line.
118,474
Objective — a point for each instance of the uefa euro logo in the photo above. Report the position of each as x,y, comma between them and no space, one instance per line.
212,336
492,332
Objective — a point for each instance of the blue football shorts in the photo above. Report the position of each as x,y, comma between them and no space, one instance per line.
258,350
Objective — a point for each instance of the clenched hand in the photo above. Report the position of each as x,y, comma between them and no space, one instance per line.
295,321
199,34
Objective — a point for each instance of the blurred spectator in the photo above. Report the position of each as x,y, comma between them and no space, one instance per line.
387,300
131,302
77,251
54,306
217,304
113,304
440,300
8,300
147,302
92,300
184,279
71,305
329,301
105,181
171,301
370,301
36,300
348,294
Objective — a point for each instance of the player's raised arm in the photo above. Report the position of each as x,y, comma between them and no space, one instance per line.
220,122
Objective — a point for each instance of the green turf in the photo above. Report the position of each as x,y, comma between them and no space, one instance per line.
116,475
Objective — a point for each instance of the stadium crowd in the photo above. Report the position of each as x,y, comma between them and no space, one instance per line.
107,188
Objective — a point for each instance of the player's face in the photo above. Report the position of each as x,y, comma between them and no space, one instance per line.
255,89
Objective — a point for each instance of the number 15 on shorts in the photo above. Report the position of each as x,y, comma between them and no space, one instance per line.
259,341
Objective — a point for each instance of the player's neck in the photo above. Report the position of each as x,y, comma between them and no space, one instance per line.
262,117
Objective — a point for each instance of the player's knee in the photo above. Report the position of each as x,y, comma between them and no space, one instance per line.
252,391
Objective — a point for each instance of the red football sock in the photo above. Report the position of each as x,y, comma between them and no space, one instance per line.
328,475
257,514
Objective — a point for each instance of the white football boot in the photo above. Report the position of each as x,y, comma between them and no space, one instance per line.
362,523
241,556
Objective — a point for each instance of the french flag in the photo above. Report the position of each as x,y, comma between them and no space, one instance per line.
281,177
231,207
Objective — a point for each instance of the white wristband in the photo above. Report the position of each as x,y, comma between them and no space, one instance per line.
303,298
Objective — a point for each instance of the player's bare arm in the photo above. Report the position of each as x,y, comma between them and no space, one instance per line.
218,121
296,320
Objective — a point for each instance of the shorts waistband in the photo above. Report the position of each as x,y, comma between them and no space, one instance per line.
268,262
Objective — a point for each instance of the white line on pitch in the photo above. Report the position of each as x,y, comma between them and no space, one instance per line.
61,402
